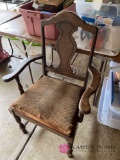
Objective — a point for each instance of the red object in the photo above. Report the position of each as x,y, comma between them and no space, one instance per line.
99,43
3,54
33,18
100,39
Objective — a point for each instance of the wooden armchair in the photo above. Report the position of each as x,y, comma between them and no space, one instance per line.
51,103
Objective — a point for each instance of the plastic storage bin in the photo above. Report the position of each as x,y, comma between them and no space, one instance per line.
48,8
33,18
92,9
86,8
105,115
110,39
108,111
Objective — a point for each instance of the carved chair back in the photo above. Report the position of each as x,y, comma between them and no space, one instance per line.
67,23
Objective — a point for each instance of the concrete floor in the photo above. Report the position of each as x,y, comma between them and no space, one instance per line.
91,137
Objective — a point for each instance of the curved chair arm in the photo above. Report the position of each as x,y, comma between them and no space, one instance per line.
84,106
21,67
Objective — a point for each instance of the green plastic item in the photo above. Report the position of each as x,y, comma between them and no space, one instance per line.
88,0
33,44
11,38
24,41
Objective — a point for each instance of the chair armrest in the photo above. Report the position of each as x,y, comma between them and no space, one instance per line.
84,106
21,67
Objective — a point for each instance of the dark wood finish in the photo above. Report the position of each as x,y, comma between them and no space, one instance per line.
30,119
20,87
66,45
67,23
84,105
18,120
79,77
81,116
69,153
21,67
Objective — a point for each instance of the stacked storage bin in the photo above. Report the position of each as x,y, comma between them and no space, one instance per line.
33,19
109,104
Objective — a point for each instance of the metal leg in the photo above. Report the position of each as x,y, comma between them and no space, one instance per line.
6,6
101,66
28,65
11,46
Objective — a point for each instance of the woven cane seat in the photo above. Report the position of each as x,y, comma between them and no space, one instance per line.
51,102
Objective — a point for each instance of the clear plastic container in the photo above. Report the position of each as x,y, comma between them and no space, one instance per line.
110,43
86,8
108,110
93,9
115,105
105,115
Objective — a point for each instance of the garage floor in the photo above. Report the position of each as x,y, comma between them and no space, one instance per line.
93,141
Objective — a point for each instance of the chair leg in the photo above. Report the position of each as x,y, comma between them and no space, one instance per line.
70,142
21,125
81,116
69,153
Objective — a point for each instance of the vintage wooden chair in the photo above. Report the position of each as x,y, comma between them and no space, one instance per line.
52,103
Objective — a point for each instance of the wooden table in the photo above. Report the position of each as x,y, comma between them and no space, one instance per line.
17,3
15,27
6,16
